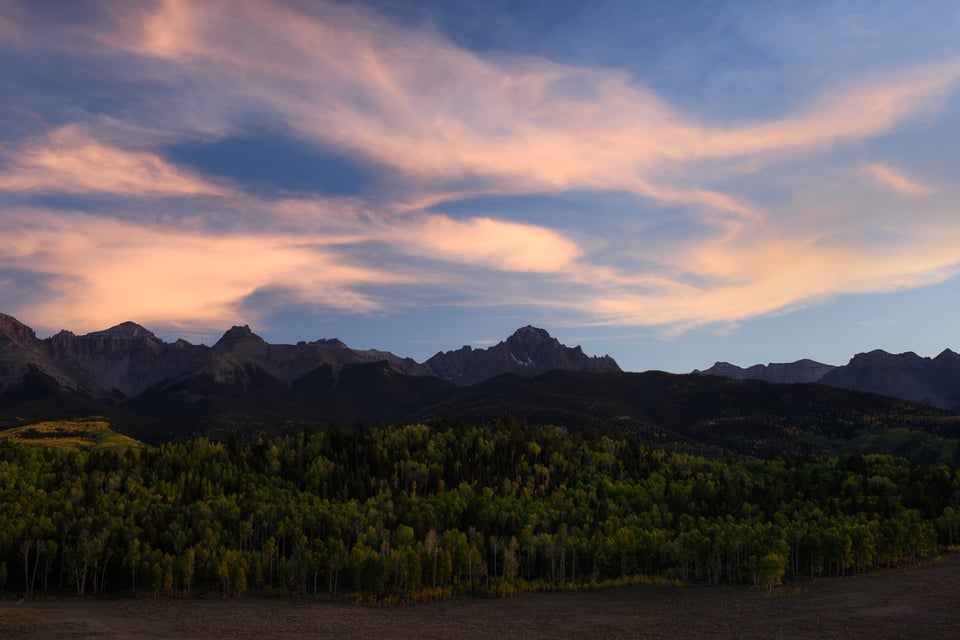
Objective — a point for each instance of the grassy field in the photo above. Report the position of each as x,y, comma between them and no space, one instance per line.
89,433
916,602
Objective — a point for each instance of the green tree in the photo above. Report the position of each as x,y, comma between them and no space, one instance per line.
771,569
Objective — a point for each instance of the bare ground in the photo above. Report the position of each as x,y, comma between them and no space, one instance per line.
916,602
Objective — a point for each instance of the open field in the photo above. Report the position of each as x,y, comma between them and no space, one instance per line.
916,602
91,433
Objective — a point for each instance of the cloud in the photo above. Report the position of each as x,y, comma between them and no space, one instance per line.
454,125
70,160
897,181
859,111
9,30
99,271
730,282
507,246
412,100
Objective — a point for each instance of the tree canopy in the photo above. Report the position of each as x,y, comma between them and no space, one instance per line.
423,511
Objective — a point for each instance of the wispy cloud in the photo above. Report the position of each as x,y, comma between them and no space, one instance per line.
506,246
412,100
69,160
897,181
736,281
9,30
99,270
453,125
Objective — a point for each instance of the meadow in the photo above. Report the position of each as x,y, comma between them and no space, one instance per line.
921,601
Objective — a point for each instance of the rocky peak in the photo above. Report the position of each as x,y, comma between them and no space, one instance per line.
331,343
531,333
14,330
947,356
529,344
527,352
126,330
123,337
237,336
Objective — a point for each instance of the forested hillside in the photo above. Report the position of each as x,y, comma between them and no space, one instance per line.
428,511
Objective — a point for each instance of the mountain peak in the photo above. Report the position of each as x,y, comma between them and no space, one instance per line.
530,331
527,352
238,335
333,343
14,329
126,329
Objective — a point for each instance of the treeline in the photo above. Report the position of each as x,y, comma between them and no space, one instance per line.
431,510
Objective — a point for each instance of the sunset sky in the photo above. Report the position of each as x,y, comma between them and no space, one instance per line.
672,183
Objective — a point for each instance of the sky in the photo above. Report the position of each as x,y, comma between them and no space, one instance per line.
670,183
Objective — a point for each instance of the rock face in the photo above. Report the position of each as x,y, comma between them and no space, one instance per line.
528,352
286,362
120,361
125,360
20,350
780,372
932,381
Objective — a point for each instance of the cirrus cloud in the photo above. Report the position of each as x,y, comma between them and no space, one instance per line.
897,181
692,242
99,269
69,160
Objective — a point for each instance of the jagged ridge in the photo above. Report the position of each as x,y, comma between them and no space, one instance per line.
528,352
127,359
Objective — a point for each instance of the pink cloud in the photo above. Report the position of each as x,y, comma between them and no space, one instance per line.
445,117
507,246
101,271
897,181
411,99
722,282
69,160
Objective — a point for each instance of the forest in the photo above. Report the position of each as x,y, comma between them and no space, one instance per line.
406,513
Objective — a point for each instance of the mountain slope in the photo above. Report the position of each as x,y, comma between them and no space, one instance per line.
694,411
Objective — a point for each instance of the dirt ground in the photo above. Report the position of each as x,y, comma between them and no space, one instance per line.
916,602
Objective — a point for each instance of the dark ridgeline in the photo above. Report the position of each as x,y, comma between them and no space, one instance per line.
930,381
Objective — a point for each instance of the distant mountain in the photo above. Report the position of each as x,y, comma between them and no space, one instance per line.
126,360
800,371
528,352
707,414
21,351
907,376
157,391
120,361
931,381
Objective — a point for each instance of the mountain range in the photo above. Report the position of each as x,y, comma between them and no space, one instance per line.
157,391
127,360
907,376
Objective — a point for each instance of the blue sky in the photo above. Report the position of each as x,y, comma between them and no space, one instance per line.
672,183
